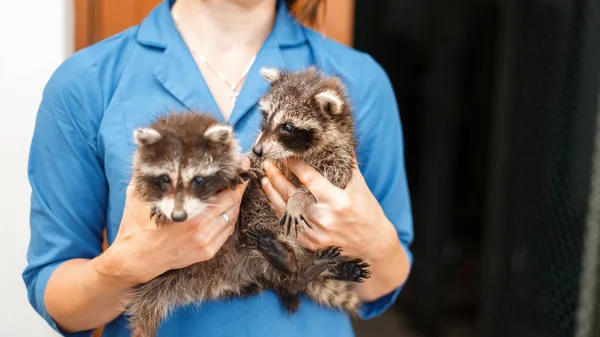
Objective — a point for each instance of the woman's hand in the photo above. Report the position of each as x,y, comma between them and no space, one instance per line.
141,251
350,218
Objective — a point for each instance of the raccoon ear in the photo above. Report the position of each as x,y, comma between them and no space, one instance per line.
219,133
330,101
146,136
270,74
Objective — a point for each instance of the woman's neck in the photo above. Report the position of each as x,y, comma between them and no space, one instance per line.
224,37
220,26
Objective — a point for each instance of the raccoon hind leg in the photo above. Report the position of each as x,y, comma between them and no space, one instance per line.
274,251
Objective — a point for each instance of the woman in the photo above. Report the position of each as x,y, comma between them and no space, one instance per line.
192,54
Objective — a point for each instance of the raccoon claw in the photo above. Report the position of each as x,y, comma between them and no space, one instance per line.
266,243
153,211
256,234
307,222
160,219
244,176
354,271
295,220
250,246
233,184
330,254
252,174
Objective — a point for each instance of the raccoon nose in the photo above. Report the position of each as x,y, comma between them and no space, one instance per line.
257,149
178,216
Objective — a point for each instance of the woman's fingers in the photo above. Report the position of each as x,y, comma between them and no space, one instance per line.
220,239
317,184
285,188
311,241
273,196
319,214
136,213
210,236
225,199
220,223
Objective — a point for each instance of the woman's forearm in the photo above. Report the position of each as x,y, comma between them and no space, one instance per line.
387,272
82,294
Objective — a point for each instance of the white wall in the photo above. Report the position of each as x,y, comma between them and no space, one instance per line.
35,37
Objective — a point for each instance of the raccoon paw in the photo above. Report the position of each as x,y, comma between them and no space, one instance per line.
159,218
354,271
273,250
324,259
252,173
295,219
327,256
245,176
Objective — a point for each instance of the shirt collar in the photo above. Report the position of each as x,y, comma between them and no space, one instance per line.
158,29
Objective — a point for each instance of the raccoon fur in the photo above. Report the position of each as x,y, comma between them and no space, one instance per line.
182,160
305,114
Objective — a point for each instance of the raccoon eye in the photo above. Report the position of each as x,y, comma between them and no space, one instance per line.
165,179
198,180
287,127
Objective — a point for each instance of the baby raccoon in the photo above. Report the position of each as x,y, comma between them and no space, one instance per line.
181,162
305,114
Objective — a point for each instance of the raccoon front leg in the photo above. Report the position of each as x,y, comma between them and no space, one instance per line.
294,215
324,259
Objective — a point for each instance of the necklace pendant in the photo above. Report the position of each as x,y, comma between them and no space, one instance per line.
233,97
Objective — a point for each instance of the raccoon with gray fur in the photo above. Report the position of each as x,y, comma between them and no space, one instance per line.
305,114
182,160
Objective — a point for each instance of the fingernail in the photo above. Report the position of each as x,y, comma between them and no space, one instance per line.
265,181
267,165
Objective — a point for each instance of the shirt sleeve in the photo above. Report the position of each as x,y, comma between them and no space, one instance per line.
69,189
380,155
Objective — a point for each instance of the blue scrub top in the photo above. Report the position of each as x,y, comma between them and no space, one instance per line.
82,148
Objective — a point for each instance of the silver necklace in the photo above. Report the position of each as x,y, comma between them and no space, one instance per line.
233,86
234,93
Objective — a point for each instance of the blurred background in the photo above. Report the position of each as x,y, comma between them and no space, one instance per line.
499,104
